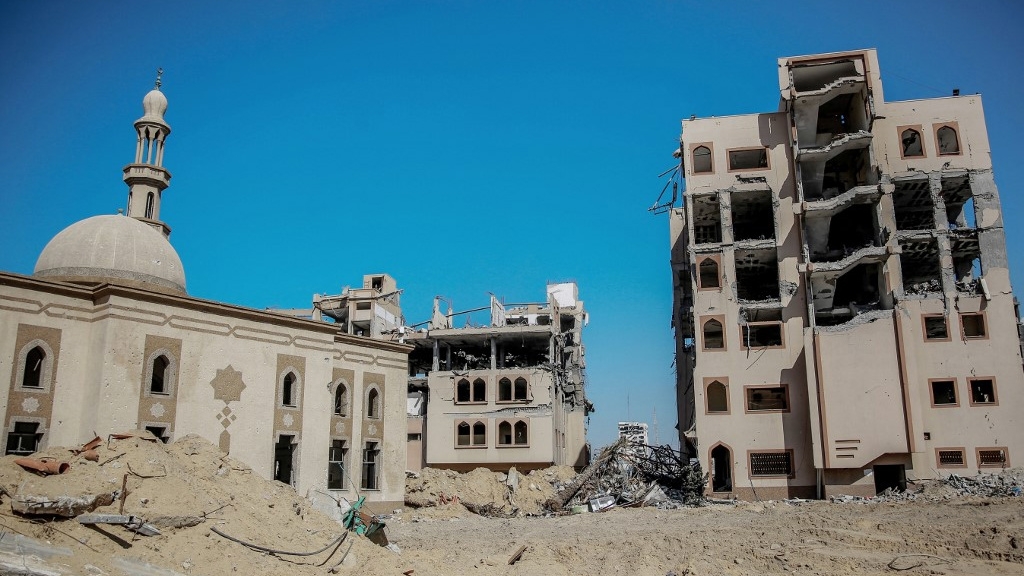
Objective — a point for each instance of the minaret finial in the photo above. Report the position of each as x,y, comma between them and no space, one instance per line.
159,73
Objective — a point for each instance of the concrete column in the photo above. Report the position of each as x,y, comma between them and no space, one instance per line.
494,354
435,364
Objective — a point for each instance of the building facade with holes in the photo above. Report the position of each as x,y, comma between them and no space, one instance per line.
508,393
843,310
103,338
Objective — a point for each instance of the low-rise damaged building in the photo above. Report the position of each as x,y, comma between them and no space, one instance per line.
510,392
843,310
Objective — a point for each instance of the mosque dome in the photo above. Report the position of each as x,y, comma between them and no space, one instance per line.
112,249
154,105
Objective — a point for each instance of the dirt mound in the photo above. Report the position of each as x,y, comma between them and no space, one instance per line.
481,490
183,489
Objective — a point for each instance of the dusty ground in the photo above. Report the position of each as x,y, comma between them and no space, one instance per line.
189,488
969,536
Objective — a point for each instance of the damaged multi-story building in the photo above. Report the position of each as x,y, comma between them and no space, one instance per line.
508,392
843,310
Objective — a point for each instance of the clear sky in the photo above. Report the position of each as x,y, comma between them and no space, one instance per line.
464,147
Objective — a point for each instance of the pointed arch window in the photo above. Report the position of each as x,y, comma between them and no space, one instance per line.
462,391
341,400
373,404
158,381
288,390
521,436
717,397
34,360
948,140
462,434
150,202
522,389
911,143
708,275
701,160
504,390
479,434
714,336
505,434
479,390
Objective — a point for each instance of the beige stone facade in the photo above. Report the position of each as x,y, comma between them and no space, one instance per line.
511,393
104,338
843,308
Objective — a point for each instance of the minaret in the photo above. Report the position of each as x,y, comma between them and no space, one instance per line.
146,177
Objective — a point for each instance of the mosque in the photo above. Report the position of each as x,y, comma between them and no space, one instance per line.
103,337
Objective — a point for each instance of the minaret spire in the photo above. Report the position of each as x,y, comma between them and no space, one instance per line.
146,177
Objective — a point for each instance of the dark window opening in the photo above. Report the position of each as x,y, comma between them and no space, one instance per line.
951,458
966,251
935,328
890,477
701,160
847,170
707,219
983,391
521,389
949,142
24,439
463,434
150,199
959,200
751,159
377,283
462,392
505,390
843,114
913,205
919,263
521,438
288,390
973,325
718,397
33,375
774,398
479,390
371,456
857,291
158,379
849,231
912,143
336,465
708,273
757,275
160,432
771,463
284,454
341,400
714,336
753,217
943,392
721,466
505,434
373,404
762,335
479,434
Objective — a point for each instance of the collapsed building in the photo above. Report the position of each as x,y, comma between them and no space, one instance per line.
843,312
510,392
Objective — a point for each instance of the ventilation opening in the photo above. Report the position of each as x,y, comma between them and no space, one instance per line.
753,217
757,275
992,457
890,476
707,219
284,455
951,458
771,463
922,271
721,465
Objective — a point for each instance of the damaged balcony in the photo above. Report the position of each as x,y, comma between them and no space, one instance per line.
753,215
921,267
849,233
913,205
707,218
828,99
846,289
835,169
959,200
757,275
966,251
866,194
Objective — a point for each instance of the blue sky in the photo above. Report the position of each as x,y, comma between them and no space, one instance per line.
464,147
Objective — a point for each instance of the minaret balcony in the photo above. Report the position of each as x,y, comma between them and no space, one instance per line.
147,174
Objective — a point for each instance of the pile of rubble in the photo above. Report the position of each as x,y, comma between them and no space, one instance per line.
482,491
630,474
1008,483
130,504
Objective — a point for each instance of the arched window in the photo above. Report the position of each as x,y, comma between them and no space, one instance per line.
718,399
479,434
341,400
33,377
479,390
150,199
949,143
373,404
701,160
714,337
521,390
721,469
521,437
911,141
462,391
462,435
504,390
288,390
707,273
158,381
504,434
